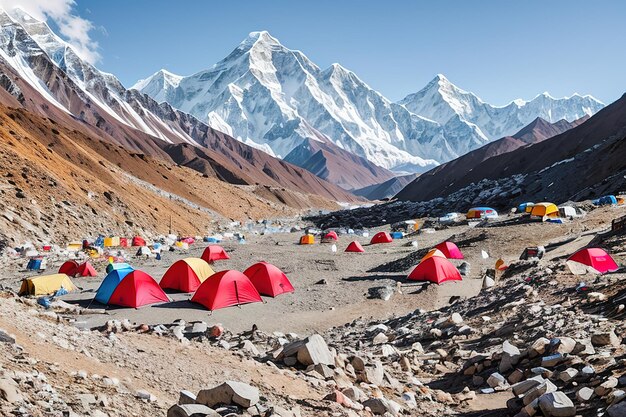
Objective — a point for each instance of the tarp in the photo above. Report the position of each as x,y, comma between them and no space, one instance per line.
137,289
381,237
307,239
138,241
69,268
46,284
593,260
225,289
214,253
110,283
186,275
450,250
435,269
478,212
355,246
86,270
268,279
545,209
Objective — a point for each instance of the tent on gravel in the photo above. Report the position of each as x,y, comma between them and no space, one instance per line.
137,289
69,268
214,253
86,270
435,269
450,250
186,275
381,237
481,212
268,279
594,260
307,239
225,289
355,246
46,284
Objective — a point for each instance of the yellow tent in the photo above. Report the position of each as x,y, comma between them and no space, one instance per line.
545,209
200,267
307,240
47,284
433,252
111,241
75,245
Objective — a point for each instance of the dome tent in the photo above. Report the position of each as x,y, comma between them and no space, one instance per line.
225,289
186,275
268,279
435,269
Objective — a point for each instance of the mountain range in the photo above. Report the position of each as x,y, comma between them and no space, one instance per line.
276,99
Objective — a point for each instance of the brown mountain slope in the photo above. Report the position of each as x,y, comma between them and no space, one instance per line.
458,173
58,184
335,165
230,160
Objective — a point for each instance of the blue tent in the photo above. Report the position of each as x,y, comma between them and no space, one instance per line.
119,265
397,235
34,264
522,207
109,283
99,242
605,200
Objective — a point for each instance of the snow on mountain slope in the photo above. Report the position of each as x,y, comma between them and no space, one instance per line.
272,97
442,101
275,98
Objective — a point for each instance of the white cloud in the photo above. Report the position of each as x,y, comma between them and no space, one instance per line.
73,28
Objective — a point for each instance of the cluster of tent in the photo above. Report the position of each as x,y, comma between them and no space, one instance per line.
132,288
72,268
354,246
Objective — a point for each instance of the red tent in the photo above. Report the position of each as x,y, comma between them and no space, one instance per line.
355,247
186,275
332,235
137,289
86,270
450,250
138,241
268,279
123,242
214,253
225,289
435,269
591,258
69,268
381,237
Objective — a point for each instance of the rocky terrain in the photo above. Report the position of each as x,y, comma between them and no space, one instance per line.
532,341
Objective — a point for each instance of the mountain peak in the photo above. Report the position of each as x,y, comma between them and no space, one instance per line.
260,37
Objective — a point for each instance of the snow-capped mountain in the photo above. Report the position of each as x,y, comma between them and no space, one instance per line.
442,102
275,98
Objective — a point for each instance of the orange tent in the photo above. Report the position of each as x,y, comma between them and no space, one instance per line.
433,252
435,269
307,240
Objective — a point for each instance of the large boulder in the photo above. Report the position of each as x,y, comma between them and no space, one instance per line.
556,404
315,351
510,356
191,410
230,392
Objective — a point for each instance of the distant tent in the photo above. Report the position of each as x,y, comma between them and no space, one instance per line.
330,237
137,289
268,279
593,260
435,269
381,237
123,242
500,265
138,241
396,235
33,264
433,252
450,250
355,247
186,275
307,239
214,253
86,270
110,283
46,284
522,207
69,268
605,200
481,212
111,241
225,289
544,210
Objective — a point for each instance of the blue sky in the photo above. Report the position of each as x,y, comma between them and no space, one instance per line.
500,50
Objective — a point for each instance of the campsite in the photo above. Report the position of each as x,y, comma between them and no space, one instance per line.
364,277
